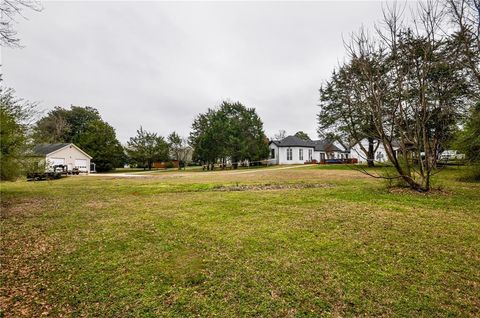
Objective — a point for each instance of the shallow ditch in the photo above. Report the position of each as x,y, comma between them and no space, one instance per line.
266,187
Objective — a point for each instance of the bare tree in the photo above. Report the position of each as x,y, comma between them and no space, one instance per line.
185,153
180,149
465,18
345,116
415,90
280,135
9,11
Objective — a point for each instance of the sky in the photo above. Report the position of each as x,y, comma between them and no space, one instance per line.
159,64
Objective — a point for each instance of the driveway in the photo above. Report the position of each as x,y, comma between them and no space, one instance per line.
155,173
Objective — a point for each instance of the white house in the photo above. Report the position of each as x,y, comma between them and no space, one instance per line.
294,150
63,154
380,155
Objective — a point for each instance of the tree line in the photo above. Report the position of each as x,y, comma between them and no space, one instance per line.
409,85
230,131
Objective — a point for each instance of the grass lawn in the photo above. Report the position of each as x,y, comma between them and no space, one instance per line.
303,242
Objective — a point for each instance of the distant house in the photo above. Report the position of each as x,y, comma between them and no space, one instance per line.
166,164
380,154
66,154
183,155
294,150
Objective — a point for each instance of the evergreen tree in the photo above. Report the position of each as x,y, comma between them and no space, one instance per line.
230,131
15,115
146,148
100,142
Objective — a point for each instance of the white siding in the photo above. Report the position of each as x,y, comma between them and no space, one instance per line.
68,155
56,161
317,155
356,152
273,160
282,157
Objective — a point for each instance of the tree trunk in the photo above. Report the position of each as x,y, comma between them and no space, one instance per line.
371,153
405,175
415,185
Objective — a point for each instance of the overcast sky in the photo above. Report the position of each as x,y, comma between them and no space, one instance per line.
159,64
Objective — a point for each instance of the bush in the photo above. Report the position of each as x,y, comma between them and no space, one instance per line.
472,173
15,114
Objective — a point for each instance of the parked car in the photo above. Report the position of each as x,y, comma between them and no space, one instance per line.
451,155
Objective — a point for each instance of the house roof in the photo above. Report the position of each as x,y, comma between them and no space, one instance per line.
318,145
324,145
292,141
46,149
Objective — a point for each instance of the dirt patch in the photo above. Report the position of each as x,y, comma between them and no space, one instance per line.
403,190
21,207
266,187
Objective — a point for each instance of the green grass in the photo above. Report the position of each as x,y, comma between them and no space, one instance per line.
189,169
170,245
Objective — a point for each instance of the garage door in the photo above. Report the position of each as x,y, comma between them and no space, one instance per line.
57,161
81,164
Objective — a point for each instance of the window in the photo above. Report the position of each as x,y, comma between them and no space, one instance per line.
289,154
310,154
272,153
300,154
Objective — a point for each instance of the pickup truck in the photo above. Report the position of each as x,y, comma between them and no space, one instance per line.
55,172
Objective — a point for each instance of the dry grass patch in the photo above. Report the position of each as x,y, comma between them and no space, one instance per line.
24,207
408,191
264,187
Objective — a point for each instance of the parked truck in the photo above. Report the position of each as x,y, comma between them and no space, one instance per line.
53,172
